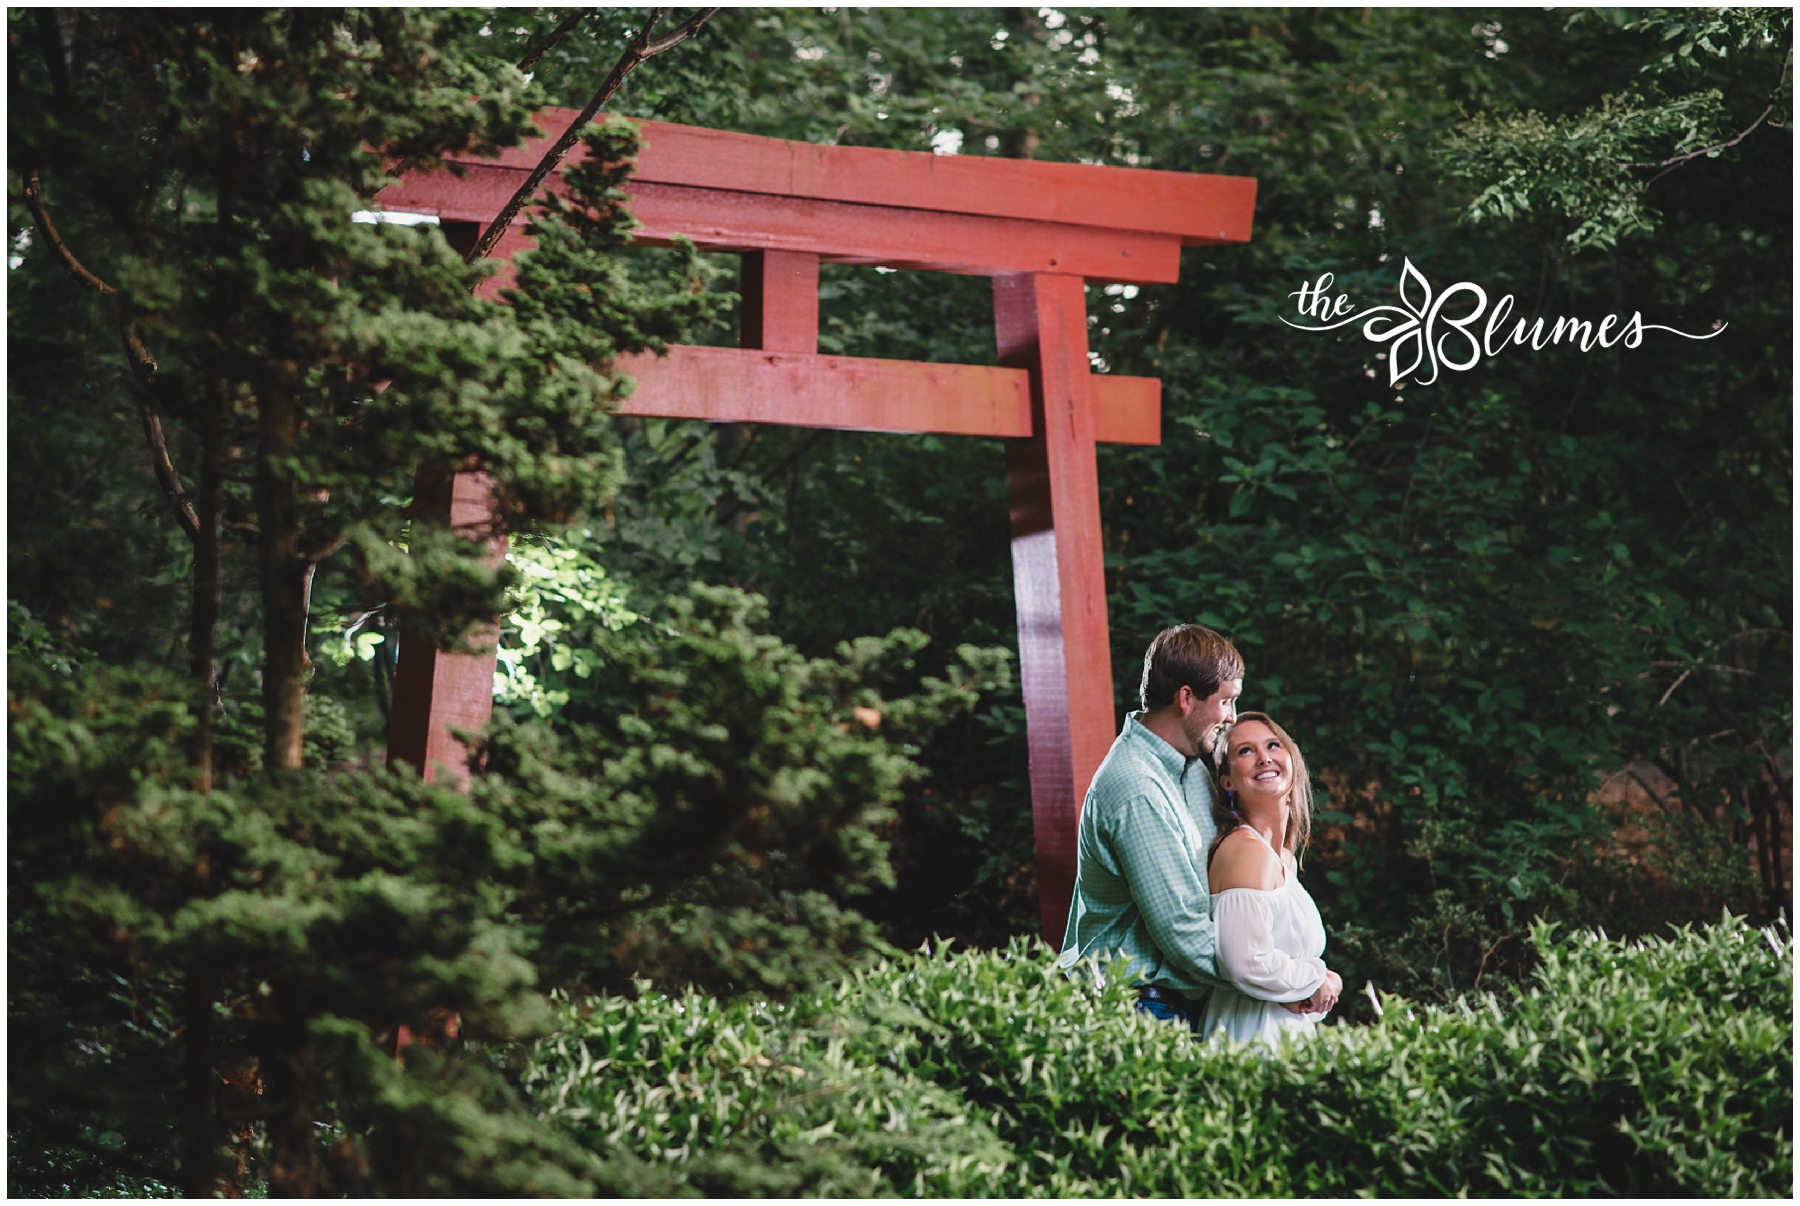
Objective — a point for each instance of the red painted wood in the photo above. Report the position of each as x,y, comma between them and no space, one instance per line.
511,243
435,691
1199,208
743,385
780,311
1127,410
1059,579
720,219
852,393
723,219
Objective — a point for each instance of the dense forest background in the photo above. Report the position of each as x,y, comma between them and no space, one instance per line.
1532,619
1531,622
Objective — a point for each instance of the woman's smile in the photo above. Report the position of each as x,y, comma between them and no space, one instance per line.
1257,761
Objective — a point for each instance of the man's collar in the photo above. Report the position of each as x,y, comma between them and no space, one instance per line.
1173,759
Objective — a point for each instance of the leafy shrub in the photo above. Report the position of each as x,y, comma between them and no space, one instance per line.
687,1094
1661,1066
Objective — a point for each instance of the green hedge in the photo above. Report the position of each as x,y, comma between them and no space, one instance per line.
1657,1067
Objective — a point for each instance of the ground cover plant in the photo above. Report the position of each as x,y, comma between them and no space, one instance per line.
1658,1067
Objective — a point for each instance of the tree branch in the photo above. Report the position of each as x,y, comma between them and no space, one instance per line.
1678,681
1669,165
680,33
640,48
165,472
556,35
143,365
729,513
34,198
142,362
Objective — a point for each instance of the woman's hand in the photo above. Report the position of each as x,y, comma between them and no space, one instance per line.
1322,1001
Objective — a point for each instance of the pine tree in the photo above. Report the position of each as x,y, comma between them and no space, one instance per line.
318,977
208,170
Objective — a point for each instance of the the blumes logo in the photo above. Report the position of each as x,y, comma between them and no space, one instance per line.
1428,333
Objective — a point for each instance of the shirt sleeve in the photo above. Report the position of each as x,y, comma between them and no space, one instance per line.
1248,955
1167,887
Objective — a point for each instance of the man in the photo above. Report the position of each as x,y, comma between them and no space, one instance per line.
1146,824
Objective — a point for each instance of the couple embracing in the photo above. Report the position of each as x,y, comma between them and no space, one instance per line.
1194,881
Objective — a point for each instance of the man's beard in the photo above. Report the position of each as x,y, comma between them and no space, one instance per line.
1204,737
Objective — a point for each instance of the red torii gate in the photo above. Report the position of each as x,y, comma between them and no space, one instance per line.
1040,230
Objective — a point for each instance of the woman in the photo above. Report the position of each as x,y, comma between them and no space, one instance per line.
1269,932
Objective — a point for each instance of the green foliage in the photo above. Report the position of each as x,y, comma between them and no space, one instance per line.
1581,167
684,1094
576,296
720,793
29,640
1718,33
563,595
276,934
1660,1067
322,362
706,824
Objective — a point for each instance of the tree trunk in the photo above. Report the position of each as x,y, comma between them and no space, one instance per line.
204,631
208,1168
292,1087
286,578
1764,799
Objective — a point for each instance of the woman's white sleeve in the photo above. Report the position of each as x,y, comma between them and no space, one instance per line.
1247,952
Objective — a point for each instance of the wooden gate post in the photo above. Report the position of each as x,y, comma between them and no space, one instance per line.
435,691
1059,576
780,311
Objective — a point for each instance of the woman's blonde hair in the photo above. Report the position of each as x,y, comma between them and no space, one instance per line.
1299,801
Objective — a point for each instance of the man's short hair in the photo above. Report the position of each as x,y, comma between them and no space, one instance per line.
1186,655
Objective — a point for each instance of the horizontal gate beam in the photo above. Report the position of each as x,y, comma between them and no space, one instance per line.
745,385
1199,209
718,219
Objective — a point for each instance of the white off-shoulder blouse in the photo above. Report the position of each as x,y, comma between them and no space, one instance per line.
1269,945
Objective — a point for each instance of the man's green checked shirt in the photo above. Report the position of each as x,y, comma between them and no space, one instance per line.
1140,877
